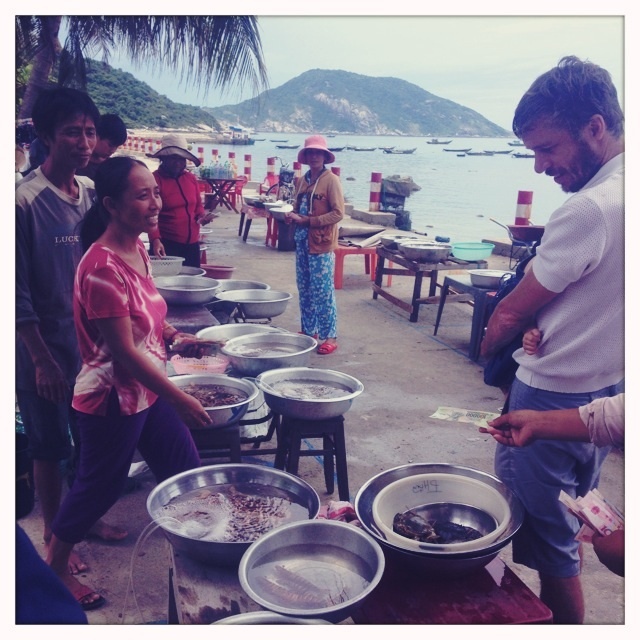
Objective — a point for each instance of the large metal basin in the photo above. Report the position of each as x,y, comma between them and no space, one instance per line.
444,564
257,303
255,353
233,285
307,393
422,251
187,290
223,553
225,332
225,415
337,563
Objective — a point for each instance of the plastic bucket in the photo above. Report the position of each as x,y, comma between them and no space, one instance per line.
217,272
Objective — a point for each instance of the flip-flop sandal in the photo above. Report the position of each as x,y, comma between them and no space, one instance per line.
326,348
89,605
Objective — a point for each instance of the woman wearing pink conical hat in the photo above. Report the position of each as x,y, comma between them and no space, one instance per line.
318,208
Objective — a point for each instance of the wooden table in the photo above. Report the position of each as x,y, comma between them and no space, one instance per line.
463,289
222,192
418,270
201,594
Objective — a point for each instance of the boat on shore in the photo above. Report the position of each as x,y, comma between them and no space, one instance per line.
437,141
400,151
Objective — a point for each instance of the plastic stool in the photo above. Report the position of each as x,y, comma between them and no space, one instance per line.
216,442
292,431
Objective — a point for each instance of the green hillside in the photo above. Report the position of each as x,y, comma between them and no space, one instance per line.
116,91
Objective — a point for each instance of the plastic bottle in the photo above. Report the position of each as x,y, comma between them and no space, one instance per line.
523,208
226,171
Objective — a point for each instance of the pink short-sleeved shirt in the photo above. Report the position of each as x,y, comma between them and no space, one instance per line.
107,287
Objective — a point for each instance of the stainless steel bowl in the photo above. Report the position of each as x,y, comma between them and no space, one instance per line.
229,331
441,563
424,251
268,617
313,569
391,241
298,392
233,285
192,271
257,303
223,553
187,290
487,278
255,353
224,415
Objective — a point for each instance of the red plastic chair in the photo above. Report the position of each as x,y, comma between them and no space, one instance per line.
270,180
235,196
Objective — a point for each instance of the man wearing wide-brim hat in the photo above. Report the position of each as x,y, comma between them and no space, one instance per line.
182,213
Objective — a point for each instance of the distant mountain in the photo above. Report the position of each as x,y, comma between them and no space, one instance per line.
344,102
119,92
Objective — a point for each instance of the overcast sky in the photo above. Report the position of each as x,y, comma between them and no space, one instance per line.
481,62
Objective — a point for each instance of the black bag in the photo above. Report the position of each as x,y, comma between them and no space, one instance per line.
500,370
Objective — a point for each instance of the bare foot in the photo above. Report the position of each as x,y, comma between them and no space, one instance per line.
107,532
86,597
76,565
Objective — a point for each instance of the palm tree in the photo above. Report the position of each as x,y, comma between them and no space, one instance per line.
208,51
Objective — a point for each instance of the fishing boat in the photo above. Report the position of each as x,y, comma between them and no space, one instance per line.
479,153
437,141
336,149
522,155
363,148
259,139
278,141
501,152
287,146
234,135
400,151
458,150
387,149
516,143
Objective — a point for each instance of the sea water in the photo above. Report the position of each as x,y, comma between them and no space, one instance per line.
458,195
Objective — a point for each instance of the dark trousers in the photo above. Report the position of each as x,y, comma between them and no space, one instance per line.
107,447
190,252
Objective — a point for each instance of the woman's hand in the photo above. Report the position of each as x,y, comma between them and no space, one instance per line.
188,345
192,412
158,248
296,218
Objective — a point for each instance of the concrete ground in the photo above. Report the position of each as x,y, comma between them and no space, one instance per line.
407,374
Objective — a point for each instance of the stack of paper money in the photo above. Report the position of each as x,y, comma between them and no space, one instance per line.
595,513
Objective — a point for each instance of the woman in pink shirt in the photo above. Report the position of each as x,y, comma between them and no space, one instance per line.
123,397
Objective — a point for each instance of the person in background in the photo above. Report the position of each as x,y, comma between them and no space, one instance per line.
318,208
600,422
182,215
50,203
112,133
571,119
123,396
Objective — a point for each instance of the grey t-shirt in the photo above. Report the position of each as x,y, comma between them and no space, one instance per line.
48,250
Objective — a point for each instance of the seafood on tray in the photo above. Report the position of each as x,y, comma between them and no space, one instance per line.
412,525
